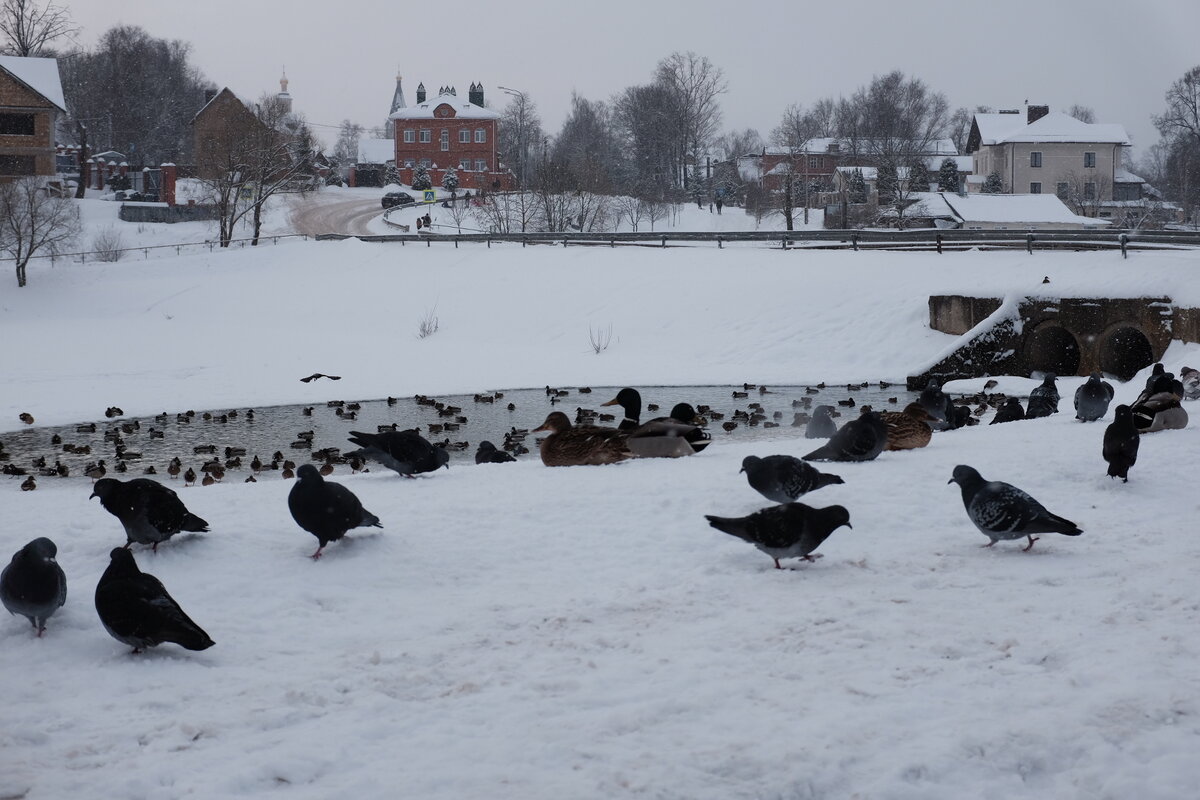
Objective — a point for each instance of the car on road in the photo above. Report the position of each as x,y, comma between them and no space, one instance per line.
397,199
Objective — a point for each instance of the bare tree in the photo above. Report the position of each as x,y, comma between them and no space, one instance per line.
696,83
1182,117
1082,113
32,220
280,156
507,212
29,28
794,133
345,151
1086,192
520,131
738,143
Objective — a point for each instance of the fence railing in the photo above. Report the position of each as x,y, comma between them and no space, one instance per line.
107,254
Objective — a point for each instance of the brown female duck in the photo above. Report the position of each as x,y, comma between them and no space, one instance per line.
568,446
908,429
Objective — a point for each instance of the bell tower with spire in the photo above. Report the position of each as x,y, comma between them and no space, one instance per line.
398,98
284,98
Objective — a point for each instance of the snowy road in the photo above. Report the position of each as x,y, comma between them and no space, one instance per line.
314,214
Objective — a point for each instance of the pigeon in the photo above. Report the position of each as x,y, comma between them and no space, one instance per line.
1092,398
488,454
1002,511
405,452
33,584
938,404
1009,411
1121,440
150,512
792,530
1043,400
1191,383
821,426
326,509
784,479
136,609
1161,381
861,439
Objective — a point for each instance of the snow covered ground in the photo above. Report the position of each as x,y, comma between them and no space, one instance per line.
516,631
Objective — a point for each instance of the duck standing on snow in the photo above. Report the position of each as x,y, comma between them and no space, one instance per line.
908,429
568,446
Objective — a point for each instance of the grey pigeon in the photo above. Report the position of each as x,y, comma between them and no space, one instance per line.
821,426
326,509
136,610
792,530
784,479
1092,398
488,454
1002,511
1121,440
150,512
1190,379
939,406
1043,400
1009,411
33,584
405,452
861,439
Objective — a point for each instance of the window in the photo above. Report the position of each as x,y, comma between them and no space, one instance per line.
816,162
464,163
480,165
410,136
425,163
1089,159
409,163
1035,188
480,135
17,165
1089,191
16,124
1061,190
464,136
445,139
1035,159
426,136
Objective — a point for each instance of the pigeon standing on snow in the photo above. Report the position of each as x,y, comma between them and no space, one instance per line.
861,439
1190,379
792,530
1121,440
33,584
326,509
488,454
1092,398
821,426
1043,400
1009,411
784,479
136,609
405,452
1002,511
938,404
150,512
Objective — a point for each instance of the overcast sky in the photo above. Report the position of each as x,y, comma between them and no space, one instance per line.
342,58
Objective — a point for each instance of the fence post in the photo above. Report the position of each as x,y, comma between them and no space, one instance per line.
489,241
1029,243
720,243
854,241
1124,242
939,244
664,241
785,243
456,243
428,242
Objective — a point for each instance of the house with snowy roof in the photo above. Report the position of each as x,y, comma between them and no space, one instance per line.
31,98
445,131
992,212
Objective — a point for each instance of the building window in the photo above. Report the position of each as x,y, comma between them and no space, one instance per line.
16,125
445,139
464,164
1089,159
480,135
410,163
410,136
17,165
464,136
425,163
1035,159
816,162
1035,188
426,136
1089,191
480,165
1061,190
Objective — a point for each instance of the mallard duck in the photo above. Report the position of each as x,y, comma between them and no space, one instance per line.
1158,412
908,429
568,446
661,437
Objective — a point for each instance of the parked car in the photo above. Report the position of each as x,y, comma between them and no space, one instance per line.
397,199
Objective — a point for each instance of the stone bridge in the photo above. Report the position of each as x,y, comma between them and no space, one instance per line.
1065,335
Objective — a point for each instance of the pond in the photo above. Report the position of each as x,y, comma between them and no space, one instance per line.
301,433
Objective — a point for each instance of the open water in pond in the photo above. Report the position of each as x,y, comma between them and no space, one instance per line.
263,432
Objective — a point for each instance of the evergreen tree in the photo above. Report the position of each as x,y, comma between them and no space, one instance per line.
449,180
994,184
948,176
421,180
392,175
918,177
886,184
858,187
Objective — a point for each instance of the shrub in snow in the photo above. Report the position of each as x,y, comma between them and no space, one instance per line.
107,244
858,187
993,184
421,180
450,180
948,176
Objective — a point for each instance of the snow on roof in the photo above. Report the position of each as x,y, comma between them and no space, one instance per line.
376,151
1011,208
1054,127
1125,176
939,147
463,109
39,74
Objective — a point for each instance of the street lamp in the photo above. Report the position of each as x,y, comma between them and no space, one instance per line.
522,134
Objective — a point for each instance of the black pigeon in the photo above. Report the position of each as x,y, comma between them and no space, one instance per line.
488,454
1043,400
938,404
1121,440
150,512
1002,511
1009,411
1092,398
861,439
784,479
33,584
326,509
821,426
792,530
1162,381
136,609
402,451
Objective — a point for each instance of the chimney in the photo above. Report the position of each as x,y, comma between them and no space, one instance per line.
209,94
1034,113
476,94
420,93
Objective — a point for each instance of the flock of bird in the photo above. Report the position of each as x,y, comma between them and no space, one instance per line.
136,609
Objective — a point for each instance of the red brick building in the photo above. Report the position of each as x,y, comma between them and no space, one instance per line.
447,131
31,98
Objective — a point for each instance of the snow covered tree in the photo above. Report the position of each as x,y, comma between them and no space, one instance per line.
857,188
886,184
948,176
345,151
421,180
450,180
918,177
392,175
993,184
32,219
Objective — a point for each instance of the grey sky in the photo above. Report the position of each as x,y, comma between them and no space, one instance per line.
342,58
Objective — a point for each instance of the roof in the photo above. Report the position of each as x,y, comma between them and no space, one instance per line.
1054,127
463,109
376,151
1125,176
39,74
1010,208
961,163
820,146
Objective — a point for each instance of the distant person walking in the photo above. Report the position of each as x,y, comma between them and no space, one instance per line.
719,204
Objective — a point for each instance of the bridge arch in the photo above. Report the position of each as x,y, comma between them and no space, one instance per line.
1052,348
1124,351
